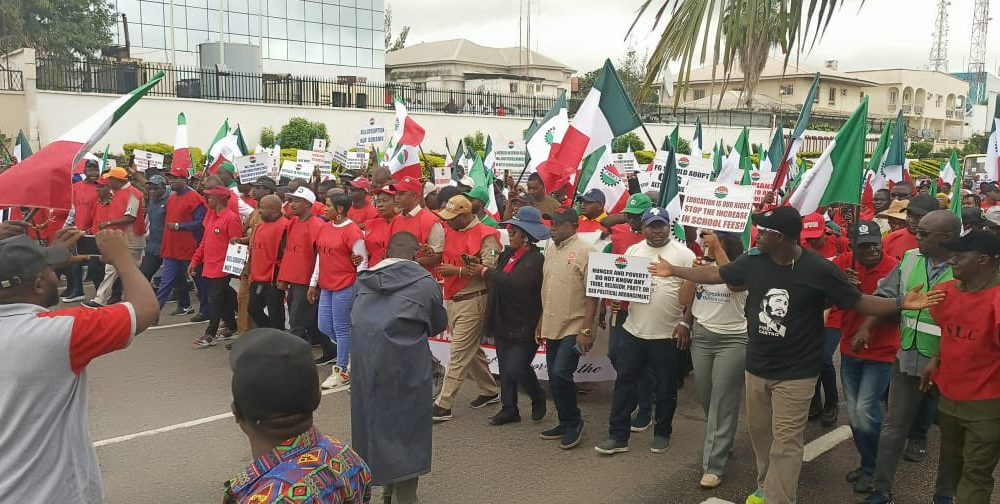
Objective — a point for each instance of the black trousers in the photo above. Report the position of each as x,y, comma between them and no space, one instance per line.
266,295
221,305
514,360
635,355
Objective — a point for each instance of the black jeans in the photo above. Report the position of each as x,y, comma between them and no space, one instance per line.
562,360
95,271
222,305
514,360
150,265
302,318
634,356
266,295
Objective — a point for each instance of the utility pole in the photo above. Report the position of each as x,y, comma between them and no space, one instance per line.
939,44
977,51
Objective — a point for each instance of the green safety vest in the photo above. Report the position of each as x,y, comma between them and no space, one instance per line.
917,327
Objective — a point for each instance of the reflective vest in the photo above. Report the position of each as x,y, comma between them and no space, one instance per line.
917,327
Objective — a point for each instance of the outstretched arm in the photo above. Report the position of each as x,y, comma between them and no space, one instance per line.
703,275
913,300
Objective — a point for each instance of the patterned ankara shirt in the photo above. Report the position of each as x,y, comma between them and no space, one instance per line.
310,468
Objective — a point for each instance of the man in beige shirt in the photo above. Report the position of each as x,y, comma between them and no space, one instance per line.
539,197
466,240
567,317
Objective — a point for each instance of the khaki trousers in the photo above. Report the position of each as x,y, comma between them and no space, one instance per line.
243,321
777,412
103,294
466,320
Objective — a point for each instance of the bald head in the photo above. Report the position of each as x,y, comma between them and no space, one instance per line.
403,245
935,229
380,176
942,221
269,208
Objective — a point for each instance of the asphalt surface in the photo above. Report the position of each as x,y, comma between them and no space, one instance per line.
163,383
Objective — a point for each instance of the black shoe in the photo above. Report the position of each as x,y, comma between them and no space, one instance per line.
553,433
93,304
72,297
440,414
538,410
864,483
878,498
572,437
225,334
828,418
199,318
916,450
484,400
854,475
815,410
326,359
503,418
182,311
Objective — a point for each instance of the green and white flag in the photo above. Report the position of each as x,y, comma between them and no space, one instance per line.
550,130
21,147
837,176
895,159
771,159
697,145
876,165
599,172
954,177
670,197
737,165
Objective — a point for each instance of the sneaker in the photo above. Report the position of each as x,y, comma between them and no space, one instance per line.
709,481
572,437
756,497
538,410
878,498
863,484
854,475
660,444
205,341
611,446
71,298
828,418
325,359
93,304
225,334
484,400
182,311
337,378
553,433
201,317
916,450
440,414
642,421
503,418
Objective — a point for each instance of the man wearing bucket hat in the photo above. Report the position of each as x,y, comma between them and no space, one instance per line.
894,217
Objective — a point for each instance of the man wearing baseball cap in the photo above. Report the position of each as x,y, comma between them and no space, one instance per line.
297,268
84,202
275,392
362,210
43,400
182,231
788,289
128,214
899,241
591,211
650,341
156,209
466,241
480,197
222,226
419,222
379,230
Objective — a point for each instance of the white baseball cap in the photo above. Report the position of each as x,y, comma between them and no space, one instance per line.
304,193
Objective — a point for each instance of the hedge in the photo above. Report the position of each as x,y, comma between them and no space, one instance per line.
197,157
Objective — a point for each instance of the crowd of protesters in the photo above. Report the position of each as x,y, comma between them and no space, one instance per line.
888,284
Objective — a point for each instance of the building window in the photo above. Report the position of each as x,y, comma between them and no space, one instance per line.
786,90
937,102
699,94
843,92
832,99
893,96
513,87
861,95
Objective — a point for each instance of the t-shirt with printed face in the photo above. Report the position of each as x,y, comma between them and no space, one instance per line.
785,311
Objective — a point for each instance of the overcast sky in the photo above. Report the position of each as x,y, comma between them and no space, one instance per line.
582,33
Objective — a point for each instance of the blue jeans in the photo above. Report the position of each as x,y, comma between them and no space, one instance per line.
335,320
865,383
562,360
644,390
174,276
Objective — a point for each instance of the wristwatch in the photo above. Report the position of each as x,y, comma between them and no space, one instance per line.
585,332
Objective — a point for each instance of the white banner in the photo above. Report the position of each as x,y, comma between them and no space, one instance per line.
236,259
144,160
650,180
252,167
623,278
314,157
625,162
722,207
372,133
442,176
761,185
294,170
356,160
319,144
693,168
510,157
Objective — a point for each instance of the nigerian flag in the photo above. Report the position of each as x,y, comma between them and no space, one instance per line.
670,196
952,174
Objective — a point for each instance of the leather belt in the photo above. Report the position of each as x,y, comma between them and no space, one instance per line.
468,296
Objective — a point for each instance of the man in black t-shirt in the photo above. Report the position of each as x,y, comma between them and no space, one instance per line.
787,290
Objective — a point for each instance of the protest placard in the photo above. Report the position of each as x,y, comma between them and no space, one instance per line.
510,157
623,278
319,144
252,167
144,160
442,176
294,170
722,207
314,157
761,185
693,168
356,160
649,180
372,133
236,259
625,162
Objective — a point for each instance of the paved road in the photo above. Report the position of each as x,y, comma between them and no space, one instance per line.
163,381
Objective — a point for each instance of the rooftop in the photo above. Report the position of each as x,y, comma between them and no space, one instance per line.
466,51
775,69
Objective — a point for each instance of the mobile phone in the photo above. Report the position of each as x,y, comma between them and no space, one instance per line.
467,259
87,245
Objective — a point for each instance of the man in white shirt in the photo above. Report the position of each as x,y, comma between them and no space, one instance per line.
649,341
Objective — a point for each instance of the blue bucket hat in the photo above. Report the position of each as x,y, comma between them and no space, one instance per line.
529,219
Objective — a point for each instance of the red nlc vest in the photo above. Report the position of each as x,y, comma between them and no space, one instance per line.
970,348
180,244
622,237
119,203
419,226
458,243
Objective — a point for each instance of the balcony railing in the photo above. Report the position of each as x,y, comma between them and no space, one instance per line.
907,108
918,110
11,80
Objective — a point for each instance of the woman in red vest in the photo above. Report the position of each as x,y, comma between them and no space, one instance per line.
340,254
379,230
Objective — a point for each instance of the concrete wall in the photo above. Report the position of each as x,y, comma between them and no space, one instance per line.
13,112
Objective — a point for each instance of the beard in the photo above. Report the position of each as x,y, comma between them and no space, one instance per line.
51,297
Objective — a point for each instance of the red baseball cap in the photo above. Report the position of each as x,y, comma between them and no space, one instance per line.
813,226
219,192
178,172
361,183
408,184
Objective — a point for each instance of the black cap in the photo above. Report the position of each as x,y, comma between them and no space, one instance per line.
922,205
867,232
984,242
22,259
974,217
265,181
784,219
593,196
563,215
273,375
989,187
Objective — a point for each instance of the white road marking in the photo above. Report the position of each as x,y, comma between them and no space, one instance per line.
184,425
716,500
179,324
826,442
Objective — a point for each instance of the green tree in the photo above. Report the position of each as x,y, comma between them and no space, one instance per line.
400,42
475,142
299,133
694,29
683,146
976,144
920,150
632,71
626,141
64,28
751,37
267,137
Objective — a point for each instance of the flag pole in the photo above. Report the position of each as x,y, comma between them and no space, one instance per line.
524,170
424,162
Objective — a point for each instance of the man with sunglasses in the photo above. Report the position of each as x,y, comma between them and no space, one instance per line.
788,288
923,268
899,241
901,191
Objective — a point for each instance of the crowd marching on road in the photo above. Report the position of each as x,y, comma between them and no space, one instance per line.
358,272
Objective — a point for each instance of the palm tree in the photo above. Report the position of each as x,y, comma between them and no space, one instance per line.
696,27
